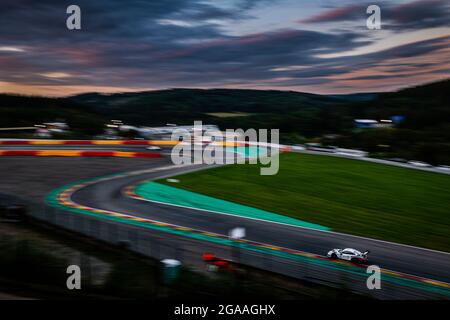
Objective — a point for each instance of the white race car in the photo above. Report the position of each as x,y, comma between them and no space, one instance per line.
348,254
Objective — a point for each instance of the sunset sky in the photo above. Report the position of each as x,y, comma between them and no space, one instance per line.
302,45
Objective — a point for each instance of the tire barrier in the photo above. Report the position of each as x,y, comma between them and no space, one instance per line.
77,153
120,142
87,142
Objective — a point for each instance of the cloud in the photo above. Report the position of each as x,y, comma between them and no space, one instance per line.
56,75
418,14
11,49
178,43
351,12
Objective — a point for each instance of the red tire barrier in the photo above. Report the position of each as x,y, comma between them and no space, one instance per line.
14,142
97,153
78,153
18,153
87,142
77,142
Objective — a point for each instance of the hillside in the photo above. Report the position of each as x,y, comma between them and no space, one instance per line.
263,109
18,111
425,133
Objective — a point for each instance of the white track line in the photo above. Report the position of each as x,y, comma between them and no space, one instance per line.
286,224
259,243
207,167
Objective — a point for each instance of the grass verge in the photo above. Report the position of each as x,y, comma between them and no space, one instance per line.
356,197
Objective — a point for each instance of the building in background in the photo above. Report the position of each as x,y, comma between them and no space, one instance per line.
373,124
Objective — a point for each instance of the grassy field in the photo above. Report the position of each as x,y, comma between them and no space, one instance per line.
351,196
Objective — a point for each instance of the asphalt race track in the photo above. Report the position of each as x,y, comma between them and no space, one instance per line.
108,195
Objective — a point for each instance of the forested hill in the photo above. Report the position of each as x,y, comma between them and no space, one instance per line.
425,133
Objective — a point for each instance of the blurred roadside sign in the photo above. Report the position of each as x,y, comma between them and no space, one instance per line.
237,233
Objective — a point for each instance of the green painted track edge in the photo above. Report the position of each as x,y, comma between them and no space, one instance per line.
52,201
150,190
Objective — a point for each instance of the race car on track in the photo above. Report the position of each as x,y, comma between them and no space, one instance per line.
348,254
